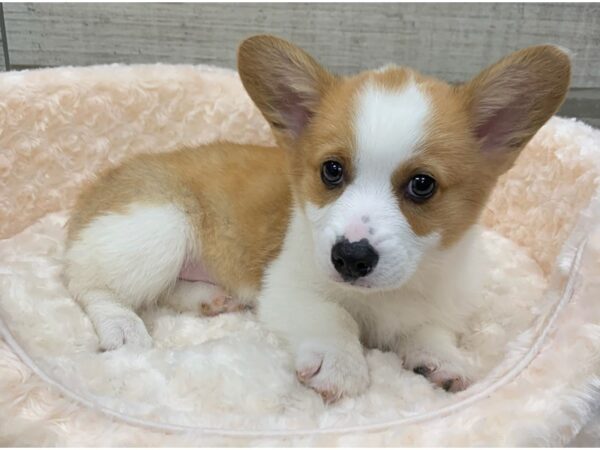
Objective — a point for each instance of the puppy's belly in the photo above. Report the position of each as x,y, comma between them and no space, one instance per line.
196,271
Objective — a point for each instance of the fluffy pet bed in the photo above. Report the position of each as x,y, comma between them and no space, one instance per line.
226,380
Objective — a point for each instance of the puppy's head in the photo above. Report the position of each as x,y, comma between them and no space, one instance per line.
390,165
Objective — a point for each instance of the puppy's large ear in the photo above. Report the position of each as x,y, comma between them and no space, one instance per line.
284,82
509,101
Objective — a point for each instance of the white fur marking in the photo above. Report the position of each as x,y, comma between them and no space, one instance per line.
137,254
389,126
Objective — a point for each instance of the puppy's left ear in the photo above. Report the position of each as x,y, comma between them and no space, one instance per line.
509,101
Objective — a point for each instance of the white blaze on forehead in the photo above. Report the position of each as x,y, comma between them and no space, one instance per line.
389,124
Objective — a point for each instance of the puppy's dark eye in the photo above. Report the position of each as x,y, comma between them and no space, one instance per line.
332,173
420,188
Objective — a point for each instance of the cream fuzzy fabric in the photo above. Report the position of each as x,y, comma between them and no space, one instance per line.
226,380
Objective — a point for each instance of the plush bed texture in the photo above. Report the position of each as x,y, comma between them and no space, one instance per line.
226,380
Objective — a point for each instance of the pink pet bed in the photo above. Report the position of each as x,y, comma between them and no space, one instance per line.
226,380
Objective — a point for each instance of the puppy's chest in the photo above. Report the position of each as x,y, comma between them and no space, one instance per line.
385,318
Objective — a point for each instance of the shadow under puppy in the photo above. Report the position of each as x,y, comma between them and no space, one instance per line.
357,228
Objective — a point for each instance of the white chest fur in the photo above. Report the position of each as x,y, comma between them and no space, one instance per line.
442,291
324,322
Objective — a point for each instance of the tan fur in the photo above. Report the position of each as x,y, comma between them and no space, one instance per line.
451,156
240,219
330,138
466,174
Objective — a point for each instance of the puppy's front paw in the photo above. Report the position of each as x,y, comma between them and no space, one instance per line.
434,354
332,371
446,379
127,328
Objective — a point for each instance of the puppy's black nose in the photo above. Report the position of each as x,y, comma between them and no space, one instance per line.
354,259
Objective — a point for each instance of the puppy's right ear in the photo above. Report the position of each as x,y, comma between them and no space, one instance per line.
284,81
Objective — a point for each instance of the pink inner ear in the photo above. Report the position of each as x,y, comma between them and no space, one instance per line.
498,131
503,110
293,110
195,271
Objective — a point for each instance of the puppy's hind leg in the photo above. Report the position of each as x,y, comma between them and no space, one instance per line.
202,298
115,324
121,262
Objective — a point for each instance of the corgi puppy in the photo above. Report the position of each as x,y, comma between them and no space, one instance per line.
357,229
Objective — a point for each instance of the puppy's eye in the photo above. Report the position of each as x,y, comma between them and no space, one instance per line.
332,173
420,188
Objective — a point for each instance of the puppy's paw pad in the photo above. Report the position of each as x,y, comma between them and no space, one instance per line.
221,304
308,367
333,373
448,381
116,331
423,370
442,378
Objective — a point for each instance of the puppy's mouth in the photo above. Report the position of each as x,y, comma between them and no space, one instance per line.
360,284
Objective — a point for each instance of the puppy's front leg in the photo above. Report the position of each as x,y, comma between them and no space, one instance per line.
323,337
432,351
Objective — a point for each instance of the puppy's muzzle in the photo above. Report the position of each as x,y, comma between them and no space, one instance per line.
354,259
